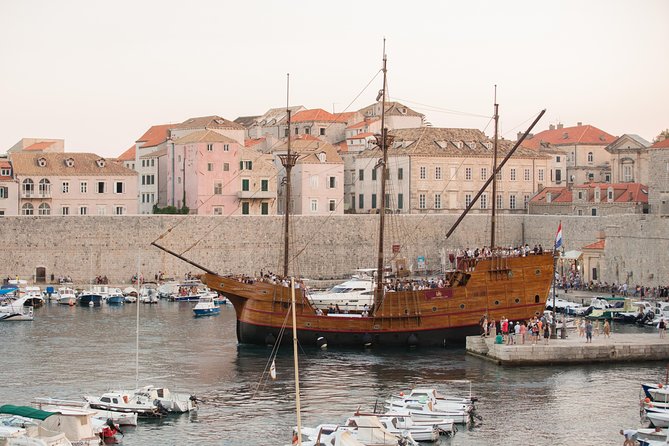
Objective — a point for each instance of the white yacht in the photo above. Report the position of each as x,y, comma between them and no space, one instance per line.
16,311
351,295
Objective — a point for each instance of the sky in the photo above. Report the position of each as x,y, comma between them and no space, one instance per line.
99,74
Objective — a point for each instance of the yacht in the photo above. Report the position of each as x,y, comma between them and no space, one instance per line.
352,295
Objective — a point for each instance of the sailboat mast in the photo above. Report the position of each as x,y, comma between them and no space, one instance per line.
297,376
288,161
378,296
494,181
139,262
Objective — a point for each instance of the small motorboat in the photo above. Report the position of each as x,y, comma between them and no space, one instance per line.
400,425
56,405
67,296
148,294
179,402
658,419
34,298
206,307
90,299
16,311
129,402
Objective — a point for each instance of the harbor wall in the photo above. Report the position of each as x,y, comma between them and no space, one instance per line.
323,247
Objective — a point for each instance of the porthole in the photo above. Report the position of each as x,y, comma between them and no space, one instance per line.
434,309
307,324
462,306
406,311
496,302
537,272
517,300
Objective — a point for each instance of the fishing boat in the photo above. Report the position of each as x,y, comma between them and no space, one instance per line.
497,285
67,296
206,307
90,299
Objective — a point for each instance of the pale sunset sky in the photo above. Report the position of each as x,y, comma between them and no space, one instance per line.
99,74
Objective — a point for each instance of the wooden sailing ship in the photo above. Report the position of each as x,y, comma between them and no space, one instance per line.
496,286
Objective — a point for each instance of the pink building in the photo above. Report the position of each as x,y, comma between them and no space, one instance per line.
73,184
216,175
9,190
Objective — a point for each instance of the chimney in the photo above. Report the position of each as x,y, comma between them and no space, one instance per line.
551,127
519,135
579,123
559,126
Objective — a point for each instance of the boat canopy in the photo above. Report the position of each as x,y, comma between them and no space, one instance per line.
26,411
4,291
572,255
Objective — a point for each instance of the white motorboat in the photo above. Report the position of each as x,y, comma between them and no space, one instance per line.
660,394
652,434
56,405
438,401
171,401
20,431
425,412
120,401
148,293
350,295
658,419
33,296
67,296
399,425
369,431
16,311
206,307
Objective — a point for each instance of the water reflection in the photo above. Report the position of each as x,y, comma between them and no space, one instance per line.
69,351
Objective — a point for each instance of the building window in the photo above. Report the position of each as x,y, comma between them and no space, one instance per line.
264,208
468,200
591,176
4,192
607,177
557,159
332,182
83,187
512,202
526,201
307,131
83,210
28,187
322,131
210,147
65,210
100,187
437,173
314,205
210,167
483,202
468,173
27,209
541,174
218,188
558,176
591,157
594,212
627,173
373,201
264,185
421,201
44,209
5,172
119,210
226,147
484,173
65,187
102,210
245,208
361,201
499,175
527,174
513,174
437,201
297,131
246,165
313,181
423,172
373,174
245,184
333,205
500,201
580,195
226,167
400,201
217,210
361,175
119,187
400,173
153,162
609,194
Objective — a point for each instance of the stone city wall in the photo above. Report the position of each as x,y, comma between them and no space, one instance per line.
326,246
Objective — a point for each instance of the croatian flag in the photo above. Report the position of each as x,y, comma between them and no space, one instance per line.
558,237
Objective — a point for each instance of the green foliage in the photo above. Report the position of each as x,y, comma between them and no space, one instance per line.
170,210
664,134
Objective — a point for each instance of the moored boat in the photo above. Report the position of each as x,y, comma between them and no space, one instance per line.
16,311
122,401
206,307
67,296
90,299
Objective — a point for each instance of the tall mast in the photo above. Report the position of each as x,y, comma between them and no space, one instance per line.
382,141
494,181
295,364
288,161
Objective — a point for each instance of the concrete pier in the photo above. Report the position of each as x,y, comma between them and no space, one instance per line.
573,350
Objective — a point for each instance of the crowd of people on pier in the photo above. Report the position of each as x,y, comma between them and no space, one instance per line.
511,251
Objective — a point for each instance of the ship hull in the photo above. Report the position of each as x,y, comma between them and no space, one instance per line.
515,288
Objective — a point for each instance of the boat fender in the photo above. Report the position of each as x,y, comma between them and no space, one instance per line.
659,385
125,399
367,340
270,339
321,342
412,340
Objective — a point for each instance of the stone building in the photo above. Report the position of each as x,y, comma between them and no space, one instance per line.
73,184
584,148
397,116
267,124
440,170
629,159
9,189
658,178
591,199
43,145
317,122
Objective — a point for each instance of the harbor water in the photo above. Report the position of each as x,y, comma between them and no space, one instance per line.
67,352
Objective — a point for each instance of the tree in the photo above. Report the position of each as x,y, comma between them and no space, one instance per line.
664,134
170,210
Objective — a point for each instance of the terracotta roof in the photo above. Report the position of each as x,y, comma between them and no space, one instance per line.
664,144
317,114
309,149
558,195
361,135
362,124
128,155
157,134
622,193
342,147
346,116
253,142
5,165
392,109
208,122
583,135
246,121
39,146
449,142
204,136
84,164
156,154
597,245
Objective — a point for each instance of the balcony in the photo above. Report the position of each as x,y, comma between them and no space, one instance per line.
29,193
257,195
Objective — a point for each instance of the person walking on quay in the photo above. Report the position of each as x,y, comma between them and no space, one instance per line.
581,328
493,328
662,327
607,329
523,331
547,334
588,332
